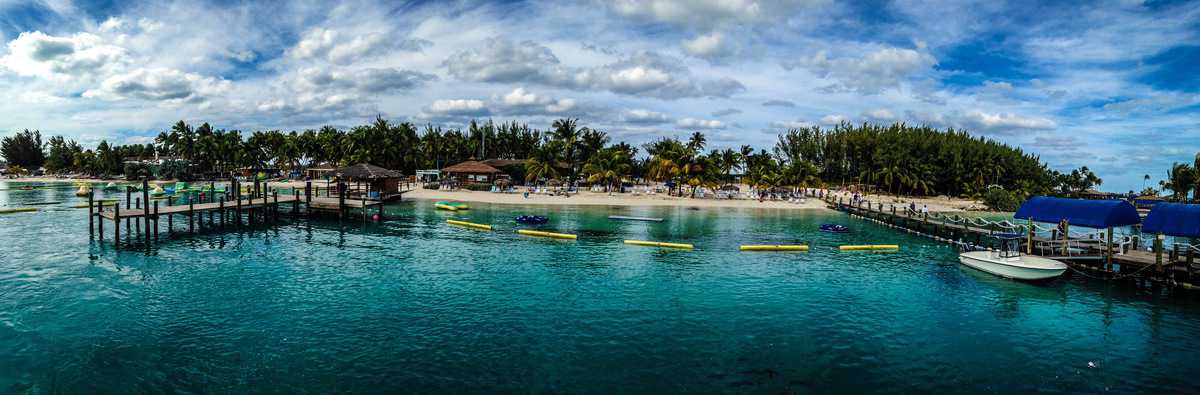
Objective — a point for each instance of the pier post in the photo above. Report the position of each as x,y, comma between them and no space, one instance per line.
1066,237
237,218
308,197
137,222
295,202
170,218
221,206
117,225
191,216
1108,262
1158,247
100,223
128,204
275,211
156,221
341,200
90,219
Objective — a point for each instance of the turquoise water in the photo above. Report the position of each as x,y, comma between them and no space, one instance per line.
414,305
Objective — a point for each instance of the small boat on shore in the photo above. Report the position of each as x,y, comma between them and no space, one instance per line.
628,218
1008,262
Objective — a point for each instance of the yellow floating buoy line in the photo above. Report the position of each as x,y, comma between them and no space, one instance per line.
11,210
471,225
553,235
774,248
874,247
658,244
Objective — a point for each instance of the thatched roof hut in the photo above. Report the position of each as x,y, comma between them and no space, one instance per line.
365,171
381,183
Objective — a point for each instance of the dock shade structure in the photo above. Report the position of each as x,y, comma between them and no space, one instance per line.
380,183
1098,214
1173,219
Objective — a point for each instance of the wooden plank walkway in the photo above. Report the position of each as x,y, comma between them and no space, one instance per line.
1087,254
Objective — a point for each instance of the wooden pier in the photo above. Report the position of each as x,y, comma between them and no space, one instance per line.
1098,257
142,215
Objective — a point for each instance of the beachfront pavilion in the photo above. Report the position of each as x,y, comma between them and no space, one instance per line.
370,181
472,172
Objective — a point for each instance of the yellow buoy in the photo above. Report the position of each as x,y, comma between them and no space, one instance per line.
658,244
774,248
539,233
869,247
17,210
471,225
445,207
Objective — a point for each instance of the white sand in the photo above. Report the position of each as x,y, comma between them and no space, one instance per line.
604,199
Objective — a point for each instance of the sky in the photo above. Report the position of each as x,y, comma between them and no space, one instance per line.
1108,85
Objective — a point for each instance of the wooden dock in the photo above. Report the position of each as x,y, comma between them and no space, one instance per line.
142,215
1097,257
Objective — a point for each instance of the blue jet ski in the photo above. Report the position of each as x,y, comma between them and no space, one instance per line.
531,219
834,228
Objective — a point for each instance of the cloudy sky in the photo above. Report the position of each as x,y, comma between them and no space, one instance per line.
1110,85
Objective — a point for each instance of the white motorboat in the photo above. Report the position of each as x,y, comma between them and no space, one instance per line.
1008,262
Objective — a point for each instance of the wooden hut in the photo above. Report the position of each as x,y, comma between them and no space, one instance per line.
472,172
370,181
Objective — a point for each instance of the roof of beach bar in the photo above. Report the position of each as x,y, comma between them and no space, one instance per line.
1173,219
366,171
1082,212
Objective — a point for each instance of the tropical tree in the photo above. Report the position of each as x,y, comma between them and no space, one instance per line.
23,149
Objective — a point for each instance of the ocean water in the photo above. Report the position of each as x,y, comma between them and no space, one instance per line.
415,305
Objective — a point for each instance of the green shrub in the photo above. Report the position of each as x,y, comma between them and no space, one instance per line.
1001,200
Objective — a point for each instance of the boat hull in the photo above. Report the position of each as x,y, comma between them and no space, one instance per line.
984,261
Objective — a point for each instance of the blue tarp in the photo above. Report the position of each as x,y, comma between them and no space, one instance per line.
1097,214
1173,219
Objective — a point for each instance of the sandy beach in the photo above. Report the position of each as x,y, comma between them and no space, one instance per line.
586,198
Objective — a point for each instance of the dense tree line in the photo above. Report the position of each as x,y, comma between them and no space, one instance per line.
897,158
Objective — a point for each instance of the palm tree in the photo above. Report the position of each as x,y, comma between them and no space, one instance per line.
608,166
567,133
542,165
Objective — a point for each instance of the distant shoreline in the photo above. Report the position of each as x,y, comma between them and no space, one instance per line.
587,198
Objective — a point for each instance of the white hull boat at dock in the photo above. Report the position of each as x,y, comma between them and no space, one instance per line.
1019,267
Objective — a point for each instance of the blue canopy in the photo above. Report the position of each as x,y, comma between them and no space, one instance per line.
1173,219
1097,214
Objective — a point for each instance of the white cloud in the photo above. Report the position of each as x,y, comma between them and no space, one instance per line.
469,107
1001,122
833,119
641,116
524,102
643,73
707,14
693,123
776,125
876,71
879,115
335,47
158,84
725,112
779,103
710,46
80,55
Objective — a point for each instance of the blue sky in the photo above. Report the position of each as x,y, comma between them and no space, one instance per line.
1110,85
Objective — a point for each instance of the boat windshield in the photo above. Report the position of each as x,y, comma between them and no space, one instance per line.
1010,245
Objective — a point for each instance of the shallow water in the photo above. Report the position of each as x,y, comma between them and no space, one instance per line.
415,305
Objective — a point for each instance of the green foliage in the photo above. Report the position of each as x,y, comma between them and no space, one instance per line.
135,171
1001,200
919,160
23,149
